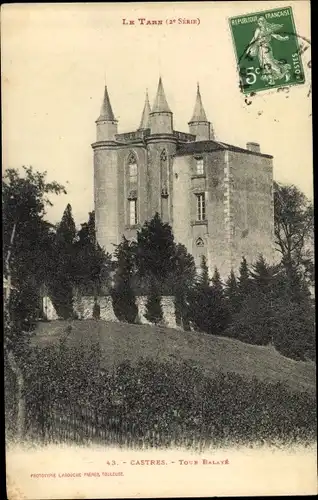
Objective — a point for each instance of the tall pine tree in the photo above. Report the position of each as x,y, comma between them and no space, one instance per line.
231,293
93,265
219,308
244,281
123,297
182,279
208,310
156,249
61,286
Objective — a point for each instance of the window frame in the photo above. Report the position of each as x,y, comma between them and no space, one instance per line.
200,206
199,162
133,177
133,212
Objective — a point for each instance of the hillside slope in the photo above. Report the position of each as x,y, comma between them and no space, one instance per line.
120,341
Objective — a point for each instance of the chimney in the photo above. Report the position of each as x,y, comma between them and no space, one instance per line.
253,146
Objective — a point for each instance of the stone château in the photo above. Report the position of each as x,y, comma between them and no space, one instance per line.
217,197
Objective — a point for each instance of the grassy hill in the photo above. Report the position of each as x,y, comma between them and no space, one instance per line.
121,342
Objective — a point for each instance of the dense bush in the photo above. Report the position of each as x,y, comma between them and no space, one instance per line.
160,404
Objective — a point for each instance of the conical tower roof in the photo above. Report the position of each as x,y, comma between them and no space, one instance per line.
106,112
198,112
144,122
160,104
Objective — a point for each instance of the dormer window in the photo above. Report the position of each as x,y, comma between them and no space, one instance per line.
199,166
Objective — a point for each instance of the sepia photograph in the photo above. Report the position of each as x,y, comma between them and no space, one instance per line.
158,250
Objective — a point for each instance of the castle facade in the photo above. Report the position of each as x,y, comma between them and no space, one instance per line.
217,197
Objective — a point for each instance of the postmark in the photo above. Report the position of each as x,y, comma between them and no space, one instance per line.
267,49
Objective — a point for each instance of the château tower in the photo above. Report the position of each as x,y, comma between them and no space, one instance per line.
217,197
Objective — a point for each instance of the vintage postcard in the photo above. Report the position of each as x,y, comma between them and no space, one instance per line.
159,295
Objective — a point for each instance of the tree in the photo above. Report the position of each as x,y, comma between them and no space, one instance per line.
155,249
61,286
124,301
294,332
244,281
277,310
199,298
262,276
182,279
203,278
293,229
154,312
27,239
66,229
208,311
26,235
216,282
93,265
231,293
293,314
220,311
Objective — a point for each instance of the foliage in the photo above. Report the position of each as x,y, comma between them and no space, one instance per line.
276,310
293,228
27,239
244,281
208,311
158,404
182,279
154,312
124,301
93,265
61,286
231,293
155,249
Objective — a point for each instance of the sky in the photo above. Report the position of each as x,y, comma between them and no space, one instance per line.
56,59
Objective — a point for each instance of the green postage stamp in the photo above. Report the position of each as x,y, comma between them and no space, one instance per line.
267,50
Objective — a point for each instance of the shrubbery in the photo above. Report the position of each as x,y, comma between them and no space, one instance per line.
160,404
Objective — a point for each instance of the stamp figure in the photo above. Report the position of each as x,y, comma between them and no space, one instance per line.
267,51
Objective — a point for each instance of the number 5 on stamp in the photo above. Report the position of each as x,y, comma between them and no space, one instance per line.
267,50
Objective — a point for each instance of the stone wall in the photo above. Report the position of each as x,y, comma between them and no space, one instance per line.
251,207
83,306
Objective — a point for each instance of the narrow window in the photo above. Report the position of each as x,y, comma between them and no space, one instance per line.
200,206
133,173
200,168
133,216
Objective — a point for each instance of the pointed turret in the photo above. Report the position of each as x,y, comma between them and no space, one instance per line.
198,112
106,112
199,124
160,104
106,122
144,122
161,115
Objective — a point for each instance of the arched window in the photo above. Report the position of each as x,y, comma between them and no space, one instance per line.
199,242
163,156
133,169
163,173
